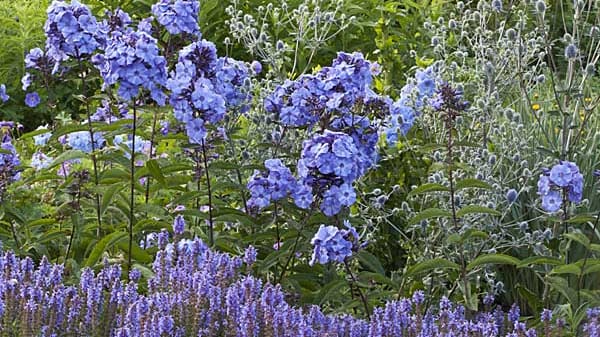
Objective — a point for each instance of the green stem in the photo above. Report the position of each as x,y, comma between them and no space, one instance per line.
585,259
211,239
132,195
93,155
150,156
363,298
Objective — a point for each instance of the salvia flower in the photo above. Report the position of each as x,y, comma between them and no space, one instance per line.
205,287
179,225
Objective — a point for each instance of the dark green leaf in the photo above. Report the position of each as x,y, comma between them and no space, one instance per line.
428,214
493,259
432,264
431,187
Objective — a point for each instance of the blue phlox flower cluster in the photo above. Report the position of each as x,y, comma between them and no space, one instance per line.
37,59
332,244
334,90
232,81
71,31
401,120
414,96
276,183
178,16
565,177
40,161
104,113
364,135
42,138
141,145
9,158
114,21
297,103
132,60
82,141
330,163
426,82
203,87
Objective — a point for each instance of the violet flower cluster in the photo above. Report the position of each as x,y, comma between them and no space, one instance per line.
9,158
331,92
203,87
71,31
329,164
195,291
340,102
131,59
273,185
413,98
563,177
332,244
178,16
82,141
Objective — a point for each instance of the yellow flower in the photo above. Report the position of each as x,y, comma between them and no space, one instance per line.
535,106
587,99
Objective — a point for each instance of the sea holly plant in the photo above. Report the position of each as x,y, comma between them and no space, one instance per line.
529,85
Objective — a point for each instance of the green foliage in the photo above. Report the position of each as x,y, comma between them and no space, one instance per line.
21,29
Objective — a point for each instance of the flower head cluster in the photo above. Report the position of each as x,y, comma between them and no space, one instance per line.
36,59
413,97
132,59
40,161
232,81
9,158
114,21
333,91
141,145
178,16
203,87
329,164
104,113
42,138
71,31
564,176
82,141
274,184
332,244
